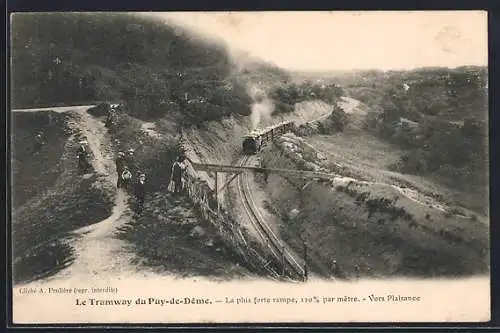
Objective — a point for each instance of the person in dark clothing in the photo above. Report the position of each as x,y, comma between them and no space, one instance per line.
140,191
110,117
177,172
109,121
266,172
38,143
83,156
120,163
129,159
81,152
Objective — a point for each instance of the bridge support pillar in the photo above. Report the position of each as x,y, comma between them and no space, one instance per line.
305,261
283,260
217,191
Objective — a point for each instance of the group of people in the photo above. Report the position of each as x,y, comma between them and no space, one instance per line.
125,166
125,161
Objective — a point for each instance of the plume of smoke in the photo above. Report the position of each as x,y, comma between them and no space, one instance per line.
262,106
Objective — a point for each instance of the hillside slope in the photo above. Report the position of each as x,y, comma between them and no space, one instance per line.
375,220
61,58
367,223
169,79
436,118
449,93
28,178
53,197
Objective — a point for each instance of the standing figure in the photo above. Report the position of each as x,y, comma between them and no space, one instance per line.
109,119
111,116
263,165
126,177
178,169
140,191
334,267
130,159
39,142
83,156
120,163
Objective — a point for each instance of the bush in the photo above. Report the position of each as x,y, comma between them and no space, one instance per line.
336,121
286,96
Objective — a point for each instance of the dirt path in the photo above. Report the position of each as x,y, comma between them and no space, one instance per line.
351,105
60,109
98,253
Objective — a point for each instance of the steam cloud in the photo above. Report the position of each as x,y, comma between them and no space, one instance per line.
262,107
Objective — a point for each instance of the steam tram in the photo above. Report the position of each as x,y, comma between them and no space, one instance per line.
253,142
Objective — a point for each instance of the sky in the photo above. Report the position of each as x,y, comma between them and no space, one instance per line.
348,40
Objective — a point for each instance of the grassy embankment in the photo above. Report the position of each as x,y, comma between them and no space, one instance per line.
166,76
51,197
440,158
366,226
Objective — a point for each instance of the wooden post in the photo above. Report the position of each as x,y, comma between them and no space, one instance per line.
217,192
305,260
283,260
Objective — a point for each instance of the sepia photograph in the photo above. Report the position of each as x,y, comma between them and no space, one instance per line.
249,167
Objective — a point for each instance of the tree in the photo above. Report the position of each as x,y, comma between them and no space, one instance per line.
338,118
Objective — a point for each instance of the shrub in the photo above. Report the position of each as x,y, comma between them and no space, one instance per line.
286,96
336,121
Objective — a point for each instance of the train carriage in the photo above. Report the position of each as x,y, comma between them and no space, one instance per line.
253,142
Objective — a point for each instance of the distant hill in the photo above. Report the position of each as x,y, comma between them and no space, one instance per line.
438,115
71,58
449,93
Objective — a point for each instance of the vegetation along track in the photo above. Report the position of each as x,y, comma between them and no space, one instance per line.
277,248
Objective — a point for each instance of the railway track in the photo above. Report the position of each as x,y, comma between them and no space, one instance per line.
244,250
277,248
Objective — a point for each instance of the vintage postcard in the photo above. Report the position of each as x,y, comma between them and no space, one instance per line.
250,167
